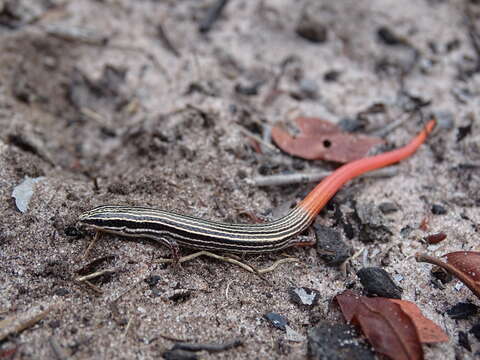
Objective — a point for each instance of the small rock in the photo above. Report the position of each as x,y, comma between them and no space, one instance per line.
475,330
61,291
248,90
311,29
304,296
330,246
463,340
438,209
178,354
462,311
373,223
435,238
331,76
387,36
388,207
276,320
153,280
337,342
377,281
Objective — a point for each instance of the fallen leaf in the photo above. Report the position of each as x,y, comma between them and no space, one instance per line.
320,139
390,331
467,262
464,265
427,330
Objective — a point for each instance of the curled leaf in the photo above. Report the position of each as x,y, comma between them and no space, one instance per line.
390,331
464,265
395,328
320,139
467,262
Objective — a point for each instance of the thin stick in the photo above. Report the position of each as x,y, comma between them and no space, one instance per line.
302,178
258,139
212,255
276,263
95,274
129,325
95,288
90,246
230,260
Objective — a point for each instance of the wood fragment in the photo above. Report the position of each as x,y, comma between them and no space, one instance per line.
302,178
95,275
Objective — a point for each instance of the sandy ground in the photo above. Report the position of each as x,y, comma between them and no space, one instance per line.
95,102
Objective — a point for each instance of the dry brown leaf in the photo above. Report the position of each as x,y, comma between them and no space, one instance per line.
390,331
464,265
320,139
427,330
467,262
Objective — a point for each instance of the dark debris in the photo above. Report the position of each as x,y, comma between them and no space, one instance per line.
377,281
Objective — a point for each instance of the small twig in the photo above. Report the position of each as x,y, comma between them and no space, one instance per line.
90,266
95,274
258,139
276,263
129,325
208,347
295,178
212,15
90,246
128,290
95,288
470,283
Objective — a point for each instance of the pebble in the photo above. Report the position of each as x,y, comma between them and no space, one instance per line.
475,330
388,207
330,246
462,311
438,209
377,281
277,320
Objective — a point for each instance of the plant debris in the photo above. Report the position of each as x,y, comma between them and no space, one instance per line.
464,265
395,328
321,140
435,238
